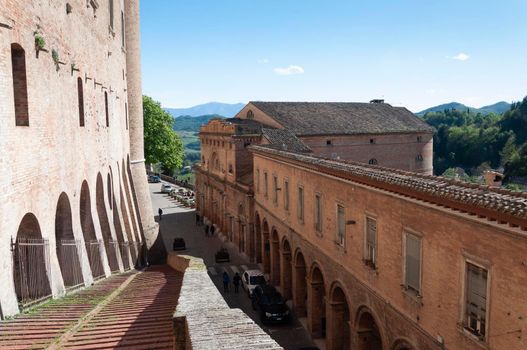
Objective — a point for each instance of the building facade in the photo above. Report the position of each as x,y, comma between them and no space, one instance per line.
373,257
73,188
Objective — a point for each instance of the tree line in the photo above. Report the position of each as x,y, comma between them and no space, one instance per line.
477,142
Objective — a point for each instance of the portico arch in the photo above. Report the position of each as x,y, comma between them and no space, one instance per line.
317,303
93,248
31,262
109,244
300,285
266,248
367,332
66,246
402,344
275,258
286,273
339,335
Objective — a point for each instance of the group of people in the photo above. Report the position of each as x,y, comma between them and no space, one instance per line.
209,230
236,280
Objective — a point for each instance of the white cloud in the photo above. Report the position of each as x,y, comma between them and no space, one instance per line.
263,61
461,57
289,70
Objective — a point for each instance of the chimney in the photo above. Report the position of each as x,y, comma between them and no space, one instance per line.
377,101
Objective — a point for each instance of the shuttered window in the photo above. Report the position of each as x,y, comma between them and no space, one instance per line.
318,213
266,186
257,180
413,263
300,204
371,241
275,190
476,299
286,195
341,224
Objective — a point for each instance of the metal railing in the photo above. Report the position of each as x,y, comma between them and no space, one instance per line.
125,248
112,250
70,257
94,256
32,271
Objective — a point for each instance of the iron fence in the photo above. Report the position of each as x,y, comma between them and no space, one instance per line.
70,257
125,249
111,252
31,268
94,256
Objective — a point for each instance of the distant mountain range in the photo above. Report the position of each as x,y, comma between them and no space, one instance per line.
496,108
224,109
188,123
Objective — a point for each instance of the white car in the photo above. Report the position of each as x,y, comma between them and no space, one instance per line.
251,279
165,188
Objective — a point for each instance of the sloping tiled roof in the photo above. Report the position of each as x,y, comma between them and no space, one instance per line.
342,118
285,140
494,203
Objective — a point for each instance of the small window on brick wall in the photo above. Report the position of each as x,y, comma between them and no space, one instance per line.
111,13
106,109
18,61
122,30
126,114
80,95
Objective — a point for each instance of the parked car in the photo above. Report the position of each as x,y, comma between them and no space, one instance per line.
251,279
222,256
271,305
179,244
154,178
166,188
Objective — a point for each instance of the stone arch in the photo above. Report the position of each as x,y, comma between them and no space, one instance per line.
109,244
300,285
266,248
257,238
125,247
131,208
139,244
286,282
339,318
367,332
275,257
93,248
31,262
317,302
66,246
110,192
214,163
402,344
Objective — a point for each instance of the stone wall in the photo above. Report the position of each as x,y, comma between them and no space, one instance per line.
203,320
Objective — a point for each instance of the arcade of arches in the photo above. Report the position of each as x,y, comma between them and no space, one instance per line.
32,253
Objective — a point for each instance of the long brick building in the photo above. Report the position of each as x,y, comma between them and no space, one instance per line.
74,202
373,257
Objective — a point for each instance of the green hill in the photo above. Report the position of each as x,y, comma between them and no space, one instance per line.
188,123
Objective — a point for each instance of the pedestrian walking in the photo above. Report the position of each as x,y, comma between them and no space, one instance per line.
160,212
236,281
207,230
226,281
212,230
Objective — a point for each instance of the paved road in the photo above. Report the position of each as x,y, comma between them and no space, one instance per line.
178,221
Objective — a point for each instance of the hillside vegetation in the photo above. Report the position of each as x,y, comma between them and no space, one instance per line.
475,141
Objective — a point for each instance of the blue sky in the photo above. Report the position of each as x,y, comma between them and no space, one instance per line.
412,53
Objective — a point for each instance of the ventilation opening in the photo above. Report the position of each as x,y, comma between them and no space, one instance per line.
18,60
106,109
80,94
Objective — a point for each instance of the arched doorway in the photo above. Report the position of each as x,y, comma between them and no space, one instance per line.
68,248
31,262
300,286
93,246
317,304
266,249
275,258
109,243
401,344
257,239
125,246
339,321
368,334
287,270
120,235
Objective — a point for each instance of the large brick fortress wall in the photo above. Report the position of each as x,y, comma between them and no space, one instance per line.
70,121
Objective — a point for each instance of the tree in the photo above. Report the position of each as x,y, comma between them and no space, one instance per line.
162,144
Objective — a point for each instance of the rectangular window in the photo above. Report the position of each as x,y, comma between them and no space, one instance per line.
257,180
318,213
266,186
18,65
80,98
111,14
341,224
476,300
106,111
413,263
123,44
275,190
300,204
286,195
371,242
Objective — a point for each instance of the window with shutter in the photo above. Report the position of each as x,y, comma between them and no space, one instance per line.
266,186
371,241
286,195
341,225
275,190
413,263
476,300
257,180
318,213
300,204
